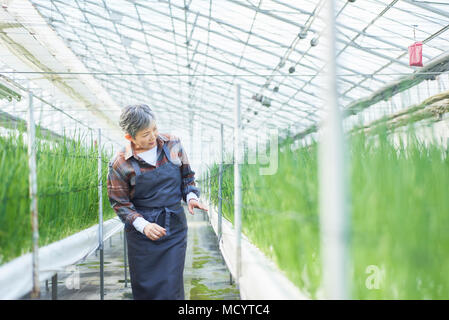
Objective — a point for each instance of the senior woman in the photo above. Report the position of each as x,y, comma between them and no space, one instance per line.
147,180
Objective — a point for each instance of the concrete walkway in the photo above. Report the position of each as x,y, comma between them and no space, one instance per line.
205,275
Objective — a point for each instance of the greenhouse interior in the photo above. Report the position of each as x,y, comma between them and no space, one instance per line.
313,137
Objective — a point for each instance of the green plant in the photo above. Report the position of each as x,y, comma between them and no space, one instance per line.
67,182
399,215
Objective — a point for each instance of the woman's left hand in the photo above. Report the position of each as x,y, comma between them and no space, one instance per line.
195,204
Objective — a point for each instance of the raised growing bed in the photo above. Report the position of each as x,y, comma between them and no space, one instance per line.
16,275
260,279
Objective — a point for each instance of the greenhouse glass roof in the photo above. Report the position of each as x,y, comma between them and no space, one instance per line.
182,57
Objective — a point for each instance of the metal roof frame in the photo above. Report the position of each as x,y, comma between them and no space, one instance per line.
186,33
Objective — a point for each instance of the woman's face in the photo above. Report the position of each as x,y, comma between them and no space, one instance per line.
146,138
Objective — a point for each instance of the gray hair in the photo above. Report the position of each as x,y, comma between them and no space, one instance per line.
135,118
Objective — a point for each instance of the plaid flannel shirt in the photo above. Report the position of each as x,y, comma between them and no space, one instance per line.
121,175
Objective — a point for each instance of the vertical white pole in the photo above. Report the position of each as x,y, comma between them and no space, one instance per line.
220,181
191,156
237,182
100,216
35,293
200,130
332,175
210,176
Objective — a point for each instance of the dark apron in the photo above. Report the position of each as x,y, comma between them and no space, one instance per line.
156,266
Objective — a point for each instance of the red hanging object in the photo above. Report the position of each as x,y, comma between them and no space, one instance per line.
415,53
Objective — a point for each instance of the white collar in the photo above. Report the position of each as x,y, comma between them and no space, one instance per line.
149,155
152,150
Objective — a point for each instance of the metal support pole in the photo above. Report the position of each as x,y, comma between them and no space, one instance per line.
201,153
332,178
54,287
191,156
237,184
220,181
210,180
207,184
100,217
125,258
35,293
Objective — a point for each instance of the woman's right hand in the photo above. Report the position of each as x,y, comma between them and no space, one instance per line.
154,231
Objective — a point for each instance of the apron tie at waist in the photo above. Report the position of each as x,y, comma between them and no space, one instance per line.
168,214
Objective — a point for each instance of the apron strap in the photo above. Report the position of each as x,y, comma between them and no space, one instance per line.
136,167
167,153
